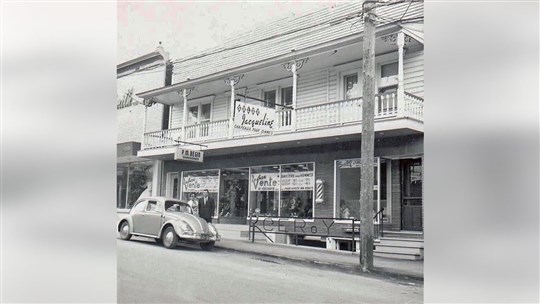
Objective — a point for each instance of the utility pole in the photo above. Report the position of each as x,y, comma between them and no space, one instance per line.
367,147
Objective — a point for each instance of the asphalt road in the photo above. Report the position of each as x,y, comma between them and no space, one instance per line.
149,273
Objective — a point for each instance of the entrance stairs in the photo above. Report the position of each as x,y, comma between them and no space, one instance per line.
406,245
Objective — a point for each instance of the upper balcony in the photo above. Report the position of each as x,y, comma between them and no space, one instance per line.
319,87
337,118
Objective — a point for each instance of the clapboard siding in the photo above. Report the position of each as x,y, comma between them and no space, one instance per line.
312,88
177,115
219,109
413,68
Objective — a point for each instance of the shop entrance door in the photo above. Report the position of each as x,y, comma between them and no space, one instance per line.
234,196
411,203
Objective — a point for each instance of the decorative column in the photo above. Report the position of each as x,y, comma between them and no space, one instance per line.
293,67
146,104
232,81
399,39
400,88
185,94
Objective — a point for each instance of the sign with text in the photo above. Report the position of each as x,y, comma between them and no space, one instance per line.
297,181
254,118
264,182
199,183
188,155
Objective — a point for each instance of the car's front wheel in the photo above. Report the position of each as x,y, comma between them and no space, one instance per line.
124,231
207,246
169,238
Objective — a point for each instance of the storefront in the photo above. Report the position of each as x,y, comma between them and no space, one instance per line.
258,183
133,175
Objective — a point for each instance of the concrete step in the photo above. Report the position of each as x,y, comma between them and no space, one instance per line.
404,234
397,249
401,256
401,243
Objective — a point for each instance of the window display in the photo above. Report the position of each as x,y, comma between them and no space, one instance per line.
195,182
233,195
283,190
348,188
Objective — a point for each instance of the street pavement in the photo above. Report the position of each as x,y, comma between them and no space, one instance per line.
343,260
149,273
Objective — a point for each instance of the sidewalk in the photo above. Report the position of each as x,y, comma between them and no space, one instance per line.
343,260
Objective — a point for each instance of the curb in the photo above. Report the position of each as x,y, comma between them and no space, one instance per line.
377,272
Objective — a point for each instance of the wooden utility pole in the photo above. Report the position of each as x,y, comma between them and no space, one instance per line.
367,150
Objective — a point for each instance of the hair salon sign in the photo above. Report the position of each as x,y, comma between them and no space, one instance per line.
254,118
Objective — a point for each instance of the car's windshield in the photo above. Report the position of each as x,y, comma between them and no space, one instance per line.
176,206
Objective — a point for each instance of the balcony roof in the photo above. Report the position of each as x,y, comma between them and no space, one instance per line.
289,39
281,37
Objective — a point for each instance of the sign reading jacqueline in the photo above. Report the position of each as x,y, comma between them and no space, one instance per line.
254,118
188,155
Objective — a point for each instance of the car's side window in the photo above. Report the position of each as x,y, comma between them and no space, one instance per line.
140,206
151,207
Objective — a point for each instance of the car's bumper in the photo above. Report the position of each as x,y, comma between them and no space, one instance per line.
200,237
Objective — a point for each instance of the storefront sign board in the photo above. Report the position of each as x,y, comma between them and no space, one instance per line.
199,183
188,155
297,181
254,118
264,182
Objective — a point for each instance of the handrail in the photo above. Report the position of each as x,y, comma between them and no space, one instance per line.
412,95
380,215
379,212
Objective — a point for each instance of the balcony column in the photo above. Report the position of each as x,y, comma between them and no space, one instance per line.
185,94
400,89
146,104
232,81
293,67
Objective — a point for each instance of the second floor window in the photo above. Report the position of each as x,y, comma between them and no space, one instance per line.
352,88
199,113
270,97
286,96
388,70
283,98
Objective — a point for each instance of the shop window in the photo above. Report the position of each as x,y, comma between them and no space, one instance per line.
348,184
296,185
121,185
233,200
264,188
282,190
139,176
197,181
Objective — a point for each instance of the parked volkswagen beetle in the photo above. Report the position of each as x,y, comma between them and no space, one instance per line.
168,221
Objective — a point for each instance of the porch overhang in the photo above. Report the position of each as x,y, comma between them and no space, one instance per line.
391,127
271,62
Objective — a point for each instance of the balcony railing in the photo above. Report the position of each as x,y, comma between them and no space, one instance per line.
329,114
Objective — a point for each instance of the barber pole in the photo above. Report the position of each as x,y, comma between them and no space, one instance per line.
320,191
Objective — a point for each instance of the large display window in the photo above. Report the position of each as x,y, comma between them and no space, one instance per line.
195,182
282,190
131,181
347,181
233,198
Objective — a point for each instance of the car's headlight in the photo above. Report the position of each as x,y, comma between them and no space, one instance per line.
212,229
186,228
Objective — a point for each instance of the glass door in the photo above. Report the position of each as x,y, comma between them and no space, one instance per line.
411,203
